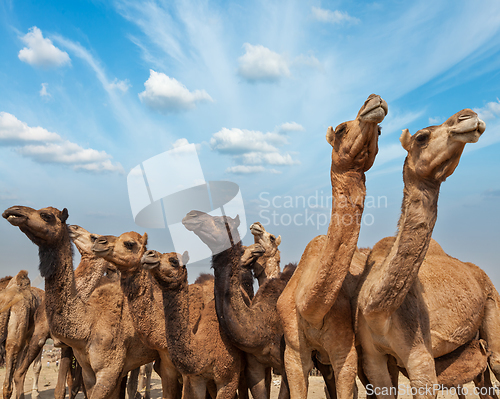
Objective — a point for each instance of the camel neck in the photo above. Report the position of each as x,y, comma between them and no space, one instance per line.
88,274
324,278
63,305
390,282
146,311
236,316
180,337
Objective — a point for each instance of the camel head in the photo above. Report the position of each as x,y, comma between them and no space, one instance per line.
251,254
213,230
434,152
168,269
124,251
46,227
82,239
355,143
269,262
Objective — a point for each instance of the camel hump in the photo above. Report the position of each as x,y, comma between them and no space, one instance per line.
435,249
4,281
382,248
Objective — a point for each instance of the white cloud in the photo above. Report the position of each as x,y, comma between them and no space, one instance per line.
333,17
122,85
272,158
238,141
490,111
259,64
43,146
244,169
167,94
179,145
434,121
40,51
43,91
14,132
291,127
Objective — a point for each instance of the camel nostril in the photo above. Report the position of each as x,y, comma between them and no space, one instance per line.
101,240
150,253
93,237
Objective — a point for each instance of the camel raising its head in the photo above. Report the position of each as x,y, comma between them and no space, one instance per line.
268,265
355,143
434,152
217,232
124,251
44,226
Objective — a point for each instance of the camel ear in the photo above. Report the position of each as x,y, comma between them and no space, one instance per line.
236,221
278,240
145,239
185,258
405,139
330,135
64,215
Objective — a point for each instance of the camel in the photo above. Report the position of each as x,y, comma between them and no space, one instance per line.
254,327
205,354
267,265
99,330
19,301
394,314
314,307
90,273
151,317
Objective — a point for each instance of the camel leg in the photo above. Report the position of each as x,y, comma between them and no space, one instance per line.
37,368
132,383
484,386
298,365
339,342
284,392
256,378
242,386
64,373
78,384
194,387
329,377
145,380
490,332
13,346
422,372
375,369
108,384
228,389
34,350
169,378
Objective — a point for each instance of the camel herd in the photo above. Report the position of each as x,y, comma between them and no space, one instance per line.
403,306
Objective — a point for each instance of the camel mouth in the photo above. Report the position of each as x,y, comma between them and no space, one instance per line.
375,110
470,131
150,260
14,218
256,229
73,231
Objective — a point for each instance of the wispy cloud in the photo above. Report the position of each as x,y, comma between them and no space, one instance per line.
333,17
166,94
290,127
40,51
259,64
490,111
253,149
43,146
43,91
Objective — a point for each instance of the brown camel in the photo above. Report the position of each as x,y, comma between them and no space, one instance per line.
314,308
146,301
100,330
21,302
205,354
393,310
254,326
267,265
90,273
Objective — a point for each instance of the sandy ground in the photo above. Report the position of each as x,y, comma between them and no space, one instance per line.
48,379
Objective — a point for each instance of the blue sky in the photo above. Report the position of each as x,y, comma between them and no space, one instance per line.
91,89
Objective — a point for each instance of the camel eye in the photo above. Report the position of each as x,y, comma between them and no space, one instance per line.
174,262
422,138
48,217
379,130
273,238
129,244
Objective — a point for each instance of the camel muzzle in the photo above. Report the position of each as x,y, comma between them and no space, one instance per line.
14,216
